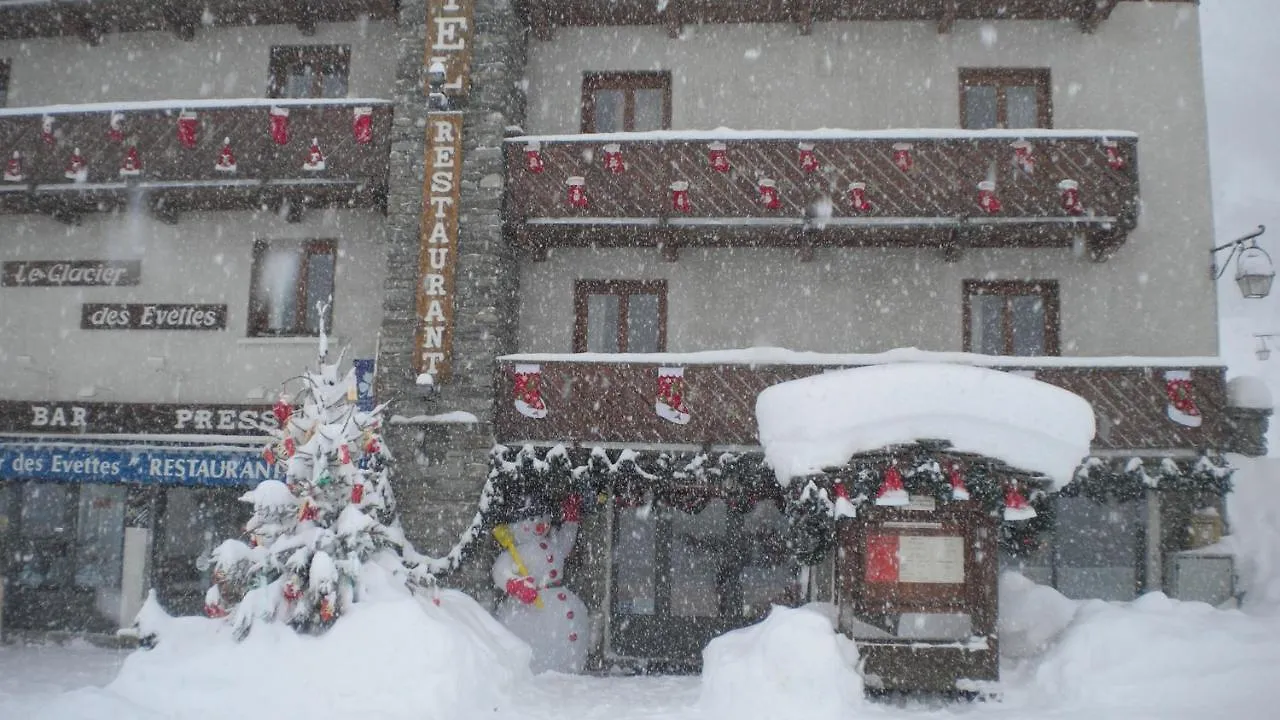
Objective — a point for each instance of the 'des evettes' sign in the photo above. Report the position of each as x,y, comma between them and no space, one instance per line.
152,316
70,273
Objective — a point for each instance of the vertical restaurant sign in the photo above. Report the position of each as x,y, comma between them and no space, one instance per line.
450,26
437,258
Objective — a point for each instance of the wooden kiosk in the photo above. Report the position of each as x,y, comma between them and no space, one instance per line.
916,588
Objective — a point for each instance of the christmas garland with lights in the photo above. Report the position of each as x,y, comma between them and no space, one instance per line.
529,481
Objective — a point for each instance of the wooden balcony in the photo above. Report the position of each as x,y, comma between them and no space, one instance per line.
593,401
90,19
545,15
177,175
921,189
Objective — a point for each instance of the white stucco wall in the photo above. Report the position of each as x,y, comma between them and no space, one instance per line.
229,62
206,258
1140,71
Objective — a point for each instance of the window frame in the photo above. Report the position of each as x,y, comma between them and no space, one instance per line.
285,58
1002,78
257,321
5,69
623,289
628,82
1048,290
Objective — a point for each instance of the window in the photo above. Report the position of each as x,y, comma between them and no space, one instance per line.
4,82
626,102
1005,98
1011,318
682,576
309,71
620,316
289,280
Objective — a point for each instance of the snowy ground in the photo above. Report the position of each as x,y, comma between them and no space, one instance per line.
1153,658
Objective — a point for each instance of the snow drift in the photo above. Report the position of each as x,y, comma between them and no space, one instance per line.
398,657
821,421
792,664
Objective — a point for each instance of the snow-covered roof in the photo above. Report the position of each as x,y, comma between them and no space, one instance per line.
821,421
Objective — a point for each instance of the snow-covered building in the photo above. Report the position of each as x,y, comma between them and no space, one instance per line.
182,183
686,187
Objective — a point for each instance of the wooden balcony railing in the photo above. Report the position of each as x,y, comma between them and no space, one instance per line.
545,15
178,147
912,188
90,19
598,400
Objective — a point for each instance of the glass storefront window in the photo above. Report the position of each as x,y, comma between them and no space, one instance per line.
100,536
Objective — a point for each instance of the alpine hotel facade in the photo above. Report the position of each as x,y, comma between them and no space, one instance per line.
594,226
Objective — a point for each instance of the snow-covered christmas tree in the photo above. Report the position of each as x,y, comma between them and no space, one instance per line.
319,538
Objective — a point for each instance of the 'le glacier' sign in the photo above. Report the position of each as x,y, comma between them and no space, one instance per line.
70,273
152,316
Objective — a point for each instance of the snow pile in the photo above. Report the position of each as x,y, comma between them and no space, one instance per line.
821,421
396,657
1253,511
1187,658
1031,616
792,664
1249,391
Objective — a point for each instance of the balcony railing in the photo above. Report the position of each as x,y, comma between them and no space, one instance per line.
89,19
611,399
177,150
913,188
545,15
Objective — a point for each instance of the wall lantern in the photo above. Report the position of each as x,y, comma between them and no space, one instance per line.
1254,269
1263,351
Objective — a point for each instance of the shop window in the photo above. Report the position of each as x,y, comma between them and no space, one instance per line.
1005,98
46,526
100,536
1011,318
4,82
626,101
290,279
681,578
620,316
309,71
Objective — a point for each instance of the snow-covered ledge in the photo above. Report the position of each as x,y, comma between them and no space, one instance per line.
783,356
728,134
821,421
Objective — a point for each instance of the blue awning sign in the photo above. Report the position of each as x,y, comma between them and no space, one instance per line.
147,465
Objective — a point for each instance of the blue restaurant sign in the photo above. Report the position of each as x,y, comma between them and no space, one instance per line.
146,465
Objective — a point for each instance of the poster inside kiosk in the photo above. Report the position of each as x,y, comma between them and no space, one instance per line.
138,464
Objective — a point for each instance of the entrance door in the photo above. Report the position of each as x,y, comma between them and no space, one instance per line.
681,578
192,521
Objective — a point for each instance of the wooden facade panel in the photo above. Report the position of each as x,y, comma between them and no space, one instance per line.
593,402
939,190
171,165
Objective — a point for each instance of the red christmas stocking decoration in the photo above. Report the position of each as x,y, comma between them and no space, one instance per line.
577,195
115,127
670,403
902,156
77,169
958,489
280,125
613,158
1023,158
188,126
718,156
1182,407
46,130
362,125
1016,507
1071,197
13,168
226,158
808,160
528,391
315,158
769,194
680,197
858,197
533,158
987,199
131,166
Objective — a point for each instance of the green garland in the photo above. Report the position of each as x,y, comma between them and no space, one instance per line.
529,480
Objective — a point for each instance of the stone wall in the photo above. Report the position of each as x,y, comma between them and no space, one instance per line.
441,468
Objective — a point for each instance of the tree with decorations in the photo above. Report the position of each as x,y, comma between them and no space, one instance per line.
319,539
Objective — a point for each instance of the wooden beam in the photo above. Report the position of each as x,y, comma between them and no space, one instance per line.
948,19
671,18
670,250
182,20
806,251
952,250
303,14
1095,13
540,21
81,24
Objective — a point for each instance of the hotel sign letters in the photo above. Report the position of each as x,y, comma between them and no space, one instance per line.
438,254
449,32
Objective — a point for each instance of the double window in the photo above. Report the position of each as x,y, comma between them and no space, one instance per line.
4,82
290,280
309,71
620,316
626,102
1005,98
1007,317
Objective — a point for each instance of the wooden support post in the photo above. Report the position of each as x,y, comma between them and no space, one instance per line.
671,18
540,21
952,250
670,250
1095,13
804,18
948,19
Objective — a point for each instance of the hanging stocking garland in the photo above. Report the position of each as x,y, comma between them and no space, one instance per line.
671,392
528,391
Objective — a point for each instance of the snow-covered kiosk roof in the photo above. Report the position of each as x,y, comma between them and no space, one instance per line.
821,421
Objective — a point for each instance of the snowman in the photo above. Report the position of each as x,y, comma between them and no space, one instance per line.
537,608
